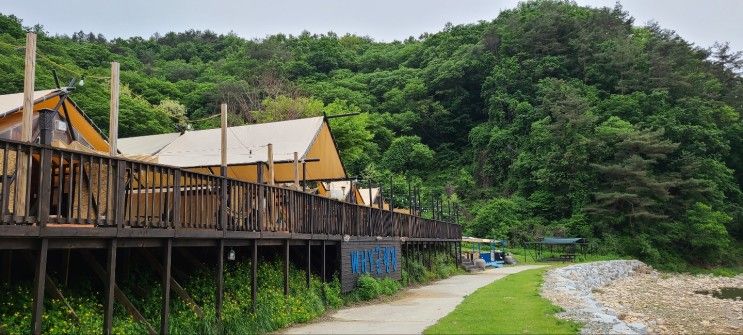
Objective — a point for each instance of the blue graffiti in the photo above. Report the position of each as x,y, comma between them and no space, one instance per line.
377,260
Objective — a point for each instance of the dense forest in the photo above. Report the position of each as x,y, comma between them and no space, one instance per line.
550,119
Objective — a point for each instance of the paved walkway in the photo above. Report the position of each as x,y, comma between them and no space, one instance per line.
415,311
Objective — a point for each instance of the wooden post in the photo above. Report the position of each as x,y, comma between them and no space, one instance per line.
220,280
39,281
28,88
286,267
322,270
370,204
26,125
309,263
7,265
296,170
167,258
254,277
108,308
271,172
223,147
304,175
113,117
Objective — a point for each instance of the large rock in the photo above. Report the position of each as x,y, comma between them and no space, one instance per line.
480,263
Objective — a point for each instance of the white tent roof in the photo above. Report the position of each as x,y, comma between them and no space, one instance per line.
245,144
365,194
12,102
145,145
338,189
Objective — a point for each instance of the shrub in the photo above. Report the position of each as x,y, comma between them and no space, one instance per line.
389,286
368,287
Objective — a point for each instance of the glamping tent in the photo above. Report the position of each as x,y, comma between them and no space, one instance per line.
365,196
344,190
70,128
200,150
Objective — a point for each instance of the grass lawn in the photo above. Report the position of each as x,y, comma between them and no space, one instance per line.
511,305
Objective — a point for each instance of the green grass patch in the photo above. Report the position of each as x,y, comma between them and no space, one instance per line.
511,305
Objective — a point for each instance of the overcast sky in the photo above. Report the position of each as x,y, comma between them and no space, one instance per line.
701,22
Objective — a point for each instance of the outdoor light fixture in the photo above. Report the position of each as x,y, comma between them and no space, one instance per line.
231,254
346,238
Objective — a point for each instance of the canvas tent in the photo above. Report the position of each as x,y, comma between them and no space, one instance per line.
72,128
146,145
344,190
200,150
374,199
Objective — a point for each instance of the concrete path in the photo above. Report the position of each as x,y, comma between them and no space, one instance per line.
415,311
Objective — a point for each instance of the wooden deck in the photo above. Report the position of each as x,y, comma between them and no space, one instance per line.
53,198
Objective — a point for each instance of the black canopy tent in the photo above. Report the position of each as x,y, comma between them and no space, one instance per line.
559,248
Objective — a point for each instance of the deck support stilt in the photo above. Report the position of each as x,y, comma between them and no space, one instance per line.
118,294
309,263
220,280
167,262
7,265
39,281
406,255
108,307
254,276
66,261
323,268
286,267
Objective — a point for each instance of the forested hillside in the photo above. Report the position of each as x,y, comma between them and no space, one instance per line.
550,119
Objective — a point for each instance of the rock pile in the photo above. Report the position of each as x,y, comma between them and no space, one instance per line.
670,304
572,288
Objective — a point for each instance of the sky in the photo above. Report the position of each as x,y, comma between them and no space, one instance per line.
700,22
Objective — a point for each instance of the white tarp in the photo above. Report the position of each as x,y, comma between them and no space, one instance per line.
13,102
145,145
245,144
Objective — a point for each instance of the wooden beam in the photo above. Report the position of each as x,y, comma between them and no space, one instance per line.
113,116
29,77
108,307
39,281
223,136
55,292
286,267
309,263
7,265
177,288
165,313
296,170
271,172
254,276
118,293
26,125
324,276
220,280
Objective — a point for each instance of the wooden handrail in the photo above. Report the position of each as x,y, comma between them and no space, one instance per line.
99,190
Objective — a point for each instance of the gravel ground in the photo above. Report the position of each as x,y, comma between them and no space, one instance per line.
628,297
667,304
571,288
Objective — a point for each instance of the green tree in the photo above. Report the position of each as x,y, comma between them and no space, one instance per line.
407,154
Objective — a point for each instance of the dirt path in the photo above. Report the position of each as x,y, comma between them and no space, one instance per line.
418,308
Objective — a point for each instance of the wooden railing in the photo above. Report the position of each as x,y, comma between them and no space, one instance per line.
42,185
